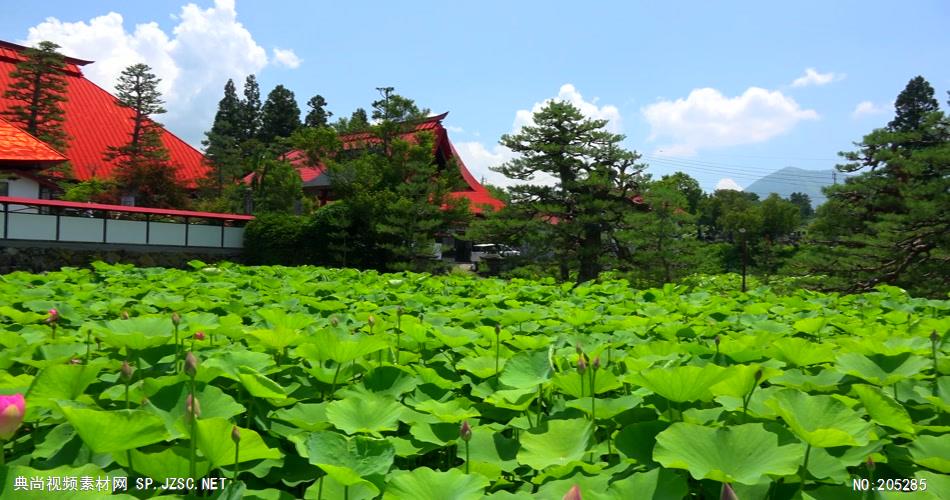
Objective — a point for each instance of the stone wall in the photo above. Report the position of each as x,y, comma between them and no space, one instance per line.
40,259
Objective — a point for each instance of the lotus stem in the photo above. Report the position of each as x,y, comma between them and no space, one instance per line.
192,467
497,349
466,457
801,486
335,375
88,344
3,452
934,340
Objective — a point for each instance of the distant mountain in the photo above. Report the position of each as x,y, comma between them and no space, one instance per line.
791,180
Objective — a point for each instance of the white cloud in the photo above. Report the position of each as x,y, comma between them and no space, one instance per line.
708,119
286,58
813,77
727,183
194,61
570,94
454,129
866,108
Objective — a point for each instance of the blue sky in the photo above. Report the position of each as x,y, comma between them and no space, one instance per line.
721,90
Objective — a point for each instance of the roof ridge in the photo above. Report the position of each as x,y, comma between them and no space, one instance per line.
20,48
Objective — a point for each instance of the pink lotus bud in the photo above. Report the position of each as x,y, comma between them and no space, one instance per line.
53,316
12,409
334,321
191,364
716,339
758,375
727,493
125,315
398,310
581,364
126,372
192,407
235,435
497,330
934,337
465,432
371,321
176,319
199,335
869,463
574,493
596,364
578,348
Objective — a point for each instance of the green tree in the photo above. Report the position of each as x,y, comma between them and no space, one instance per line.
803,202
222,142
595,180
280,115
277,188
142,166
890,223
687,186
318,116
357,122
38,90
250,110
913,105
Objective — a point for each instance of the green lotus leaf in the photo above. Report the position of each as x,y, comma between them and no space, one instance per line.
329,345
571,382
821,421
426,484
801,352
119,430
883,409
513,399
137,333
557,442
526,369
390,381
746,454
932,452
740,379
453,410
168,463
882,370
258,385
370,414
481,366
606,408
306,416
654,484
350,460
215,443
62,382
682,384
492,449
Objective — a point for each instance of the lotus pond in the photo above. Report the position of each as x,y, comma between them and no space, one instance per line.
316,383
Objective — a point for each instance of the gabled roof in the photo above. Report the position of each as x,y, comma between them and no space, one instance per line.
19,148
94,120
478,196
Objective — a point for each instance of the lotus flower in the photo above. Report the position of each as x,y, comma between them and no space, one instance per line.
126,371
574,493
53,316
581,365
191,364
596,363
192,407
199,335
727,493
869,463
12,409
465,432
371,320
176,319
235,434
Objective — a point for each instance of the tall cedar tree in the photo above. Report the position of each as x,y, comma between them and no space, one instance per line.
142,166
280,115
250,110
318,116
890,223
38,90
357,122
222,142
595,180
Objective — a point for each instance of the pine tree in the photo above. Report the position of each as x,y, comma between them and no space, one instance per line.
222,147
913,105
357,122
142,166
250,110
280,115
318,116
803,202
38,89
595,180
890,223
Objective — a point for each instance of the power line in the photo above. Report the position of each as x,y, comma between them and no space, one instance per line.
720,166
778,178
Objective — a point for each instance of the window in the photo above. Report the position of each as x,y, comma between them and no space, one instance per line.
4,188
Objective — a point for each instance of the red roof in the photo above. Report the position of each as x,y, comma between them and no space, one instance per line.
94,120
20,148
477,195
13,200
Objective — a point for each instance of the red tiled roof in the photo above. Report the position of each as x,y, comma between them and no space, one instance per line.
20,148
477,195
94,120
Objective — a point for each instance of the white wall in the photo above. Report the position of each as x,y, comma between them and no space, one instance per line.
21,188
